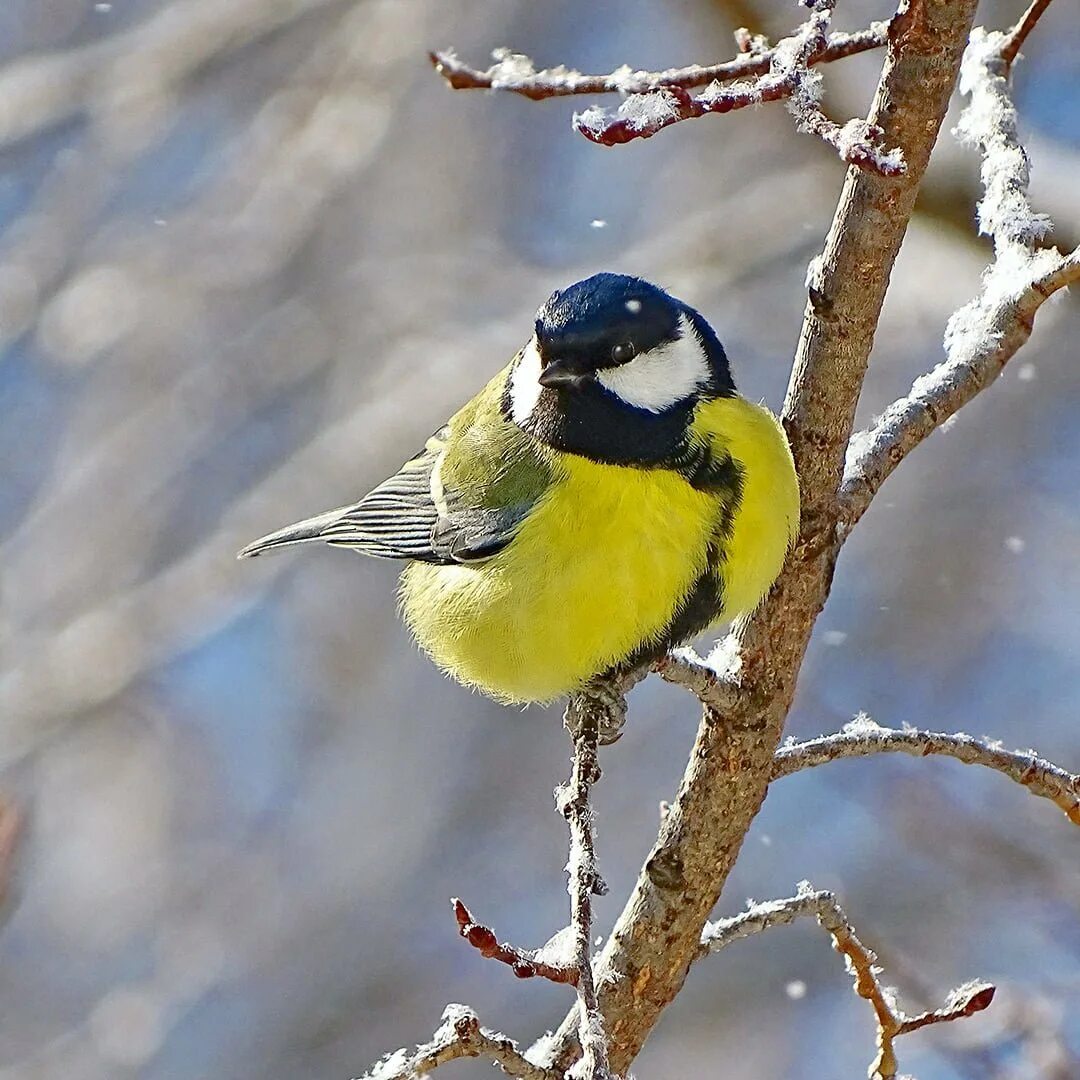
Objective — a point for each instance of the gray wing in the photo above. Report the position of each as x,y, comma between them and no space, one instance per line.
403,519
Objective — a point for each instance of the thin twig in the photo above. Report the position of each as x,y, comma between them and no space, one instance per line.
985,334
712,685
584,717
1018,34
526,963
863,737
516,73
459,1036
892,1021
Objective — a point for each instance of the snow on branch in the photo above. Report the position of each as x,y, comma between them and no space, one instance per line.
713,680
892,1021
983,335
459,1036
544,963
863,737
587,715
656,100
789,78
517,74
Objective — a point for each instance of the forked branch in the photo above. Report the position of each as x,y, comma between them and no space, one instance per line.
892,1021
656,100
985,334
459,1036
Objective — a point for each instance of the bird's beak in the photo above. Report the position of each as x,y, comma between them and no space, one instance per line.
564,373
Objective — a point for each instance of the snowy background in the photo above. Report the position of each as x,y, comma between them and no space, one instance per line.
251,254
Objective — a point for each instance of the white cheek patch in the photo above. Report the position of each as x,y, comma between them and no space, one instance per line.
525,383
663,376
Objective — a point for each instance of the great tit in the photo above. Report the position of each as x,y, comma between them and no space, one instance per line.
607,496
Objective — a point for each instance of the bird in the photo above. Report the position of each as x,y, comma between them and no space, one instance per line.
608,496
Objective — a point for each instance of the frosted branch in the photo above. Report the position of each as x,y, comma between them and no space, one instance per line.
985,334
459,1036
788,77
517,74
656,100
712,682
863,737
892,1021
526,963
586,716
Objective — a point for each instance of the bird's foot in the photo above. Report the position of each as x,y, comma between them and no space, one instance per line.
602,702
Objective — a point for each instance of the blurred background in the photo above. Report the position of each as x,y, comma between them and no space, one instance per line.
251,254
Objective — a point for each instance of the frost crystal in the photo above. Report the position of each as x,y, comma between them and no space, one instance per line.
391,1065
541,1051
649,110
558,950
862,724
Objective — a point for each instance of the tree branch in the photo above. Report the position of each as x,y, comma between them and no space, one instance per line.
712,682
585,717
459,1036
644,962
863,737
985,334
516,73
1014,42
789,77
656,100
892,1021
526,963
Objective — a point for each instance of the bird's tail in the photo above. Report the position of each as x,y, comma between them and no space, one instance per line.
302,532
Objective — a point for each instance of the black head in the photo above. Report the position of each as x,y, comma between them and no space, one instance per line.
614,371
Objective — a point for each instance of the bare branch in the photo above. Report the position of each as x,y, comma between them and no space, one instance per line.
892,1022
585,717
516,73
863,737
642,115
526,963
985,334
1014,42
459,1036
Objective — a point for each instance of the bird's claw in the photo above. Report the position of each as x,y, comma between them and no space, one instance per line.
603,703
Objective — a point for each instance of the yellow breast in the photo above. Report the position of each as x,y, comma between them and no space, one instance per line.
598,569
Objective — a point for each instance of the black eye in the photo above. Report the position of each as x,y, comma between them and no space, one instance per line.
623,352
